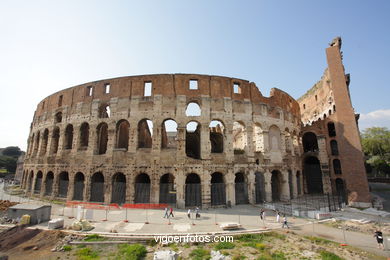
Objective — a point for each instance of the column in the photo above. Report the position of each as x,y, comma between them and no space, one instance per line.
268,186
251,187
285,194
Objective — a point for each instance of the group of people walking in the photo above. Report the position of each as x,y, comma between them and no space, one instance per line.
284,222
168,212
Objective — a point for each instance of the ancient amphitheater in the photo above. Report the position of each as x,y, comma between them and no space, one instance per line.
190,139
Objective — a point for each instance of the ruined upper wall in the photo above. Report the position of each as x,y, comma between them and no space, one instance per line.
173,85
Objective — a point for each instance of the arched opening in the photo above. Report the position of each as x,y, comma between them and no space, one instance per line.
340,189
118,188
299,185
290,183
313,175
337,166
78,186
193,109
241,189
97,187
84,135
31,147
55,139
38,183
122,134
259,188
216,136
102,138
334,148
37,143
169,134
193,196
331,129
258,143
69,136
142,188
63,185
193,140
310,143
104,111
276,185
30,181
167,189
239,138
145,133
58,117
45,141
218,191
49,183
274,139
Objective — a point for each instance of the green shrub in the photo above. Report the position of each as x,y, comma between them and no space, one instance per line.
200,254
67,248
224,245
325,255
94,237
278,256
131,252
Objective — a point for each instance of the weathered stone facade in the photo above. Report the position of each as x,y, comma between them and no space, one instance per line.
109,141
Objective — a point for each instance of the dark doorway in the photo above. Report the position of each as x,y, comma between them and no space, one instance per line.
167,189
340,189
38,183
241,189
193,196
276,185
49,184
97,187
78,186
313,175
310,143
218,193
142,188
259,187
193,140
118,188
63,185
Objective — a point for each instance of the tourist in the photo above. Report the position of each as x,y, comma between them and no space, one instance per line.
171,212
285,222
197,215
189,213
277,216
261,214
166,213
379,239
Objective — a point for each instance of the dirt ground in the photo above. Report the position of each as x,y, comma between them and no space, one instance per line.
5,204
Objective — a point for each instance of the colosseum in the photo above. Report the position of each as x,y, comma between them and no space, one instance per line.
196,140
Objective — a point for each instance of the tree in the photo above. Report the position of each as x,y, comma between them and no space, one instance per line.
376,146
8,162
12,151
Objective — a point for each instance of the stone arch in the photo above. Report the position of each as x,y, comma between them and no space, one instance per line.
36,146
102,138
55,139
97,187
276,185
167,189
142,188
38,183
193,190
63,184
193,109
169,134
58,117
193,139
49,183
145,133
337,166
313,175
84,135
217,134
104,111
68,136
310,143
122,134
31,147
258,143
79,185
259,187
218,189
45,141
331,129
30,181
239,137
118,188
241,189
274,138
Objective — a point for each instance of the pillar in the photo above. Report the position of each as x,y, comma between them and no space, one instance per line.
268,186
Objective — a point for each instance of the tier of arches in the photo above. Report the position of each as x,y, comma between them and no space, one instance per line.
83,137
121,188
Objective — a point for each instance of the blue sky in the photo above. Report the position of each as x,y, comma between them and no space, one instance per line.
50,45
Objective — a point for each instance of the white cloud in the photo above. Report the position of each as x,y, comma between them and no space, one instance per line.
379,118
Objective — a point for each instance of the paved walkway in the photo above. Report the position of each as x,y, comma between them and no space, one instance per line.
141,222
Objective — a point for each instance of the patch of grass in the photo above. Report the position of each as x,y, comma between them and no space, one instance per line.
80,246
200,254
67,248
278,256
186,245
325,255
319,240
267,236
131,252
86,254
224,245
225,253
259,246
238,257
174,247
152,242
94,237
